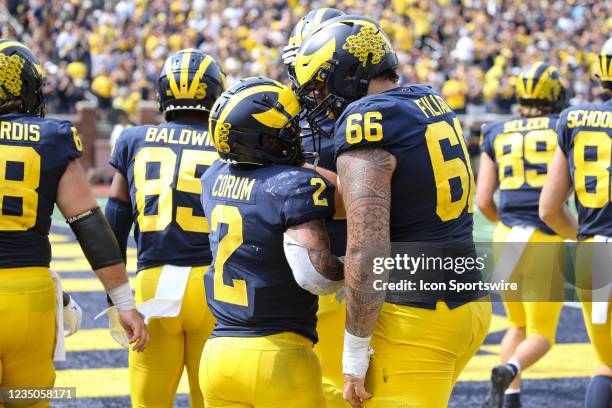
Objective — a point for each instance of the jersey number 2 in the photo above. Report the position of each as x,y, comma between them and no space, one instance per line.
229,215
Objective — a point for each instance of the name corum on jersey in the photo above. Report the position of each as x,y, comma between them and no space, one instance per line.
233,187
185,137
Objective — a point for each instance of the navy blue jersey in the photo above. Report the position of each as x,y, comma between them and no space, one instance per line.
522,149
250,287
432,186
336,229
585,136
163,165
34,154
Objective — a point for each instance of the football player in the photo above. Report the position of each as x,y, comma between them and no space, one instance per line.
583,161
515,156
331,313
271,253
405,176
39,168
157,187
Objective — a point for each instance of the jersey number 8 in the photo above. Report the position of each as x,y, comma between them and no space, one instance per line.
597,170
19,188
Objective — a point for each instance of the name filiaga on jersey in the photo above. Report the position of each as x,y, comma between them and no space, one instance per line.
589,118
433,105
19,131
185,137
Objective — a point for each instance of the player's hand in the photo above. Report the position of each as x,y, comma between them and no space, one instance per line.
354,391
135,329
73,316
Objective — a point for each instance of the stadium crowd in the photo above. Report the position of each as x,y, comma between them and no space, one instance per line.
112,50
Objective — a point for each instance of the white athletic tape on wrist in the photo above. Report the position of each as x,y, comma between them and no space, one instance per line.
122,297
356,355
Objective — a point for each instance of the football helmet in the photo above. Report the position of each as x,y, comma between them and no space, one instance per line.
21,78
256,122
305,26
540,84
604,60
345,53
189,80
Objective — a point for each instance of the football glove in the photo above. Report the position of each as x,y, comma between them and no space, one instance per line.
73,316
114,326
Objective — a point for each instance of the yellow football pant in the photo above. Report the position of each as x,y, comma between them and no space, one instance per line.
538,274
176,343
330,327
600,334
420,353
277,371
27,329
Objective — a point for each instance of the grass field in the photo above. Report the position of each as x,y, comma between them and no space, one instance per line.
98,367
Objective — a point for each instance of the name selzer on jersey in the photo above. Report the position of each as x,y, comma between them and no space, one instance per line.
34,154
163,165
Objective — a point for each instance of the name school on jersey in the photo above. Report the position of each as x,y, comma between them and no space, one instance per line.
589,118
172,136
233,187
16,131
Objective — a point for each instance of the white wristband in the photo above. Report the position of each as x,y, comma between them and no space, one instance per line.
356,355
122,297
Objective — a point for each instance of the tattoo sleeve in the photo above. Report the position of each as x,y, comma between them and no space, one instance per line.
365,175
313,236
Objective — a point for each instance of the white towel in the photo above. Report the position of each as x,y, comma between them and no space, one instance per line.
512,252
601,282
169,294
59,354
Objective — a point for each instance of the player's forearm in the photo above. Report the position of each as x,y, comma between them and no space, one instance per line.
112,276
488,208
365,175
561,221
363,302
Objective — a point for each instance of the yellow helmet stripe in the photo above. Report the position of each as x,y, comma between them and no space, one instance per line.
318,17
235,100
605,71
541,81
184,75
306,66
530,74
12,44
171,79
273,117
196,79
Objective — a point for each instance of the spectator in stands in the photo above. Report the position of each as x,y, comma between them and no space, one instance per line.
129,38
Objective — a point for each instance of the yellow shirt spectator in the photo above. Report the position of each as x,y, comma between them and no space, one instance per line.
76,70
103,85
454,92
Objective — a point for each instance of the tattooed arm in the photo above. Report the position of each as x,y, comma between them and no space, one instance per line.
365,175
308,253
